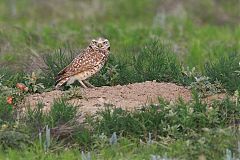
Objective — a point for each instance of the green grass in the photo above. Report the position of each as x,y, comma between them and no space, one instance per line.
226,70
178,121
130,149
22,36
181,130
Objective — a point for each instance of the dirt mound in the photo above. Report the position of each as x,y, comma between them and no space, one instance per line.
128,96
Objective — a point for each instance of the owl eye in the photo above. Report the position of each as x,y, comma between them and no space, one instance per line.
105,42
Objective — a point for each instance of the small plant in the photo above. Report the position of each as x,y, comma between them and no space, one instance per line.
60,118
224,70
86,157
150,141
54,63
111,74
156,61
74,92
61,113
205,87
158,157
6,110
9,99
1,78
32,84
113,139
35,118
14,139
189,75
10,78
48,139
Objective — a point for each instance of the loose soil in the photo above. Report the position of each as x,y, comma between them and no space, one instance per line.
128,97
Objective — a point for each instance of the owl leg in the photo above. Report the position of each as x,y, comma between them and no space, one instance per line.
88,84
84,86
60,83
70,81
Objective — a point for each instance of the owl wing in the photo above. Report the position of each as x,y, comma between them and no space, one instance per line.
79,64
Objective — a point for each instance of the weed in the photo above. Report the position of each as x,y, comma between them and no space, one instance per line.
178,120
109,74
35,118
6,111
55,62
224,70
205,87
48,139
14,139
86,157
156,61
61,112
9,98
10,78
73,92
113,139
32,84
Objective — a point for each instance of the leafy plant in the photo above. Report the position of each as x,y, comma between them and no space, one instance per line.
73,92
32,83
205,87
189,75
6,111
109,74
9,99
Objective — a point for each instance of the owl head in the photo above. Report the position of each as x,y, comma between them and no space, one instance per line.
100,43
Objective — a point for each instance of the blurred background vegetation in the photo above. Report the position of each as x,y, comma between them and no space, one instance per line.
177,34
197,30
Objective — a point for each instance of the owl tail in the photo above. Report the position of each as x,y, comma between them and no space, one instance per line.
61,82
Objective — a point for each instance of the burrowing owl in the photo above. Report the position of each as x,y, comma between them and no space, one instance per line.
86,64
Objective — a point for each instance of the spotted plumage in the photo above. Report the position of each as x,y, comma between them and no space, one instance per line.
86,64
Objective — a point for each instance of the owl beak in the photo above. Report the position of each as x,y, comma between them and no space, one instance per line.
100,45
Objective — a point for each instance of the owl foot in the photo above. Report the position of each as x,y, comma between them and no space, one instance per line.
88,84
82,84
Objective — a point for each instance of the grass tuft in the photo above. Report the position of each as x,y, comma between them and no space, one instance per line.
226,70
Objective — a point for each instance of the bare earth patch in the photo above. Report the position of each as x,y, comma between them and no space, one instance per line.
128,97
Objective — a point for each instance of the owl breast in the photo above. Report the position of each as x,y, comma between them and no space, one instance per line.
88,73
